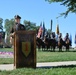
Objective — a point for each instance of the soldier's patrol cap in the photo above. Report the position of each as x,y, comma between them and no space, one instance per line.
17,16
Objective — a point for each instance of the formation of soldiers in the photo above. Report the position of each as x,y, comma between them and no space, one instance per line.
49,41
52,42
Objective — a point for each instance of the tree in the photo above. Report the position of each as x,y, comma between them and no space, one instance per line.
70,4
29,25
49,31
1,26
8,25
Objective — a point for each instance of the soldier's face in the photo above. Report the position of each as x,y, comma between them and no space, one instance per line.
17,20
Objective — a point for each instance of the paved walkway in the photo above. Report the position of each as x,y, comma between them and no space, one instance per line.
42,65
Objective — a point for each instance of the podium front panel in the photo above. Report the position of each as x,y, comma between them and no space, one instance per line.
25,49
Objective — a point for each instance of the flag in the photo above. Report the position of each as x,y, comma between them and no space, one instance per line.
57,29
40,31
51,25
75,38
43,30
71,38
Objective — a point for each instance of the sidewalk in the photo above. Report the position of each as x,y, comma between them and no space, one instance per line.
42,65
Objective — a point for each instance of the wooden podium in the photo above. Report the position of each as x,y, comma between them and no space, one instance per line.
25,49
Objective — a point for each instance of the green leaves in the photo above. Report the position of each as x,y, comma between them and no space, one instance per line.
54,1
10,22
1,26
30,25
8,25
70,4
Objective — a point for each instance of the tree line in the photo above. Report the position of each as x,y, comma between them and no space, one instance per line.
9,23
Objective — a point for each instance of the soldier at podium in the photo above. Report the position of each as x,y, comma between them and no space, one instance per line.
18,26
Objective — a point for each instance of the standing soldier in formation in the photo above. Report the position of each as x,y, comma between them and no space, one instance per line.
17,27
67,41
60,42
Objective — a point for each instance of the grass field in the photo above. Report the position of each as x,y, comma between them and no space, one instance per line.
43,57
41,71
55,56
6,49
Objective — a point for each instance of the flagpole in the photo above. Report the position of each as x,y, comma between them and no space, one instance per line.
57,23
57,20
51,25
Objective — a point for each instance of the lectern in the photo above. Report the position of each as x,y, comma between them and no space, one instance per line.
25,49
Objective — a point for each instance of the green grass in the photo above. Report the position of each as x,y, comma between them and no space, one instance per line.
55,56
43,57
46,57
40,71
6,49
6,60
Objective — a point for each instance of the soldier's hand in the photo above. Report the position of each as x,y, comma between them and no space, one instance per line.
12,35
